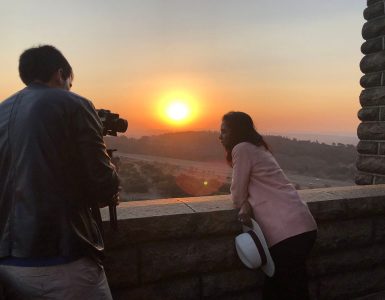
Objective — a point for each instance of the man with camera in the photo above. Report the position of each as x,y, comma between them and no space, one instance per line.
53,168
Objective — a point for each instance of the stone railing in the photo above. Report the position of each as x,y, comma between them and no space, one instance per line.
184,248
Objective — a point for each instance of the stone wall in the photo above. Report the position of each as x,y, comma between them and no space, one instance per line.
184,248
371,131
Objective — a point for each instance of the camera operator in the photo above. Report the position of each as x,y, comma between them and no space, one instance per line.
54,167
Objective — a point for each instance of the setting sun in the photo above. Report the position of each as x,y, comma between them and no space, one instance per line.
177,111
177,108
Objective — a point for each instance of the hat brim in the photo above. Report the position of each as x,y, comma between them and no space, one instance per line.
269,267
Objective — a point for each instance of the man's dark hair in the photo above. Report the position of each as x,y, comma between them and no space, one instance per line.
40,63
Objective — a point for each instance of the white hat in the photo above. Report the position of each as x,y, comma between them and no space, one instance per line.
252,249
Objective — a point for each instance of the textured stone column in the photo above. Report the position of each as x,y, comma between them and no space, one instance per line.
371,131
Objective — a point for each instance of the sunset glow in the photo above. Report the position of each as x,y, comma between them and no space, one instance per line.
180,65
177,111
177,108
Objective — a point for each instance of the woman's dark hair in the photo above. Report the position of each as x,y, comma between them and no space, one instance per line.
40,63
241,129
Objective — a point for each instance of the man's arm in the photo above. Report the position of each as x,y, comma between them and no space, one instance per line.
101,182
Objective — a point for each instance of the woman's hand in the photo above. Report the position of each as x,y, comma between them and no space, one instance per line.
245,214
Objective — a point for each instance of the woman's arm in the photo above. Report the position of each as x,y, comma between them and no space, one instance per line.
242,166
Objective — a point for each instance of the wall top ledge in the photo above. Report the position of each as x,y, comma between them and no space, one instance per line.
337,198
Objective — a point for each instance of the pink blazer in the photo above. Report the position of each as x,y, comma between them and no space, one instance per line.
277,207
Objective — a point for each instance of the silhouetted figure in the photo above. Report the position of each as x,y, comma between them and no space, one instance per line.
54,166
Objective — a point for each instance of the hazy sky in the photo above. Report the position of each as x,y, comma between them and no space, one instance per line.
293,65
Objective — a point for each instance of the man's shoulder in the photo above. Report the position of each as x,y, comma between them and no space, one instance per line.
10,98
55,96
80,100
68,95
65,98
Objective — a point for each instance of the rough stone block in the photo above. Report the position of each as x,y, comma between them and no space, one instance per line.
152,208
347,260
122,266
364,208
379,230
373,45
327,210
372,80
313,289
208,203
372,97
216,223
371,131
179,289
381,148
374,11
371,2
367,147
171,259
246,295
341,203
374,62
364,179
133,231
175,227
378,179
373,28
350,233
369,113
316,195
375,296
353,193
2,295
371,164
358,207
352,284
382,114
219,284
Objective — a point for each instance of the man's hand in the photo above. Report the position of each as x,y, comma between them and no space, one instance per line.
116,199
113,201
115,160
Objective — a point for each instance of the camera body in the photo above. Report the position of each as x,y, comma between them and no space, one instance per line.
112,124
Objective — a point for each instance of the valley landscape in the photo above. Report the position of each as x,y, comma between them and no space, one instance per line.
192,164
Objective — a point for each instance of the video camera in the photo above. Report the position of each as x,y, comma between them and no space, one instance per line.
112,124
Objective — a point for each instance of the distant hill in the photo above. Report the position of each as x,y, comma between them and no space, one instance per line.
195,145
315,159
303,157
322,138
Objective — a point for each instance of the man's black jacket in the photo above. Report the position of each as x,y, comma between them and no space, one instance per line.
53,164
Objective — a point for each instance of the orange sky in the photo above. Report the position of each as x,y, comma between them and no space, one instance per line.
292,65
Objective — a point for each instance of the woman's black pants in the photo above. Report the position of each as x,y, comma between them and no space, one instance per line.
290,281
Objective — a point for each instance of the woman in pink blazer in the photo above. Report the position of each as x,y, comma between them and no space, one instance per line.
260,189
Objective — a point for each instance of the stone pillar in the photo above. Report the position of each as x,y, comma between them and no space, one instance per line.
371,131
